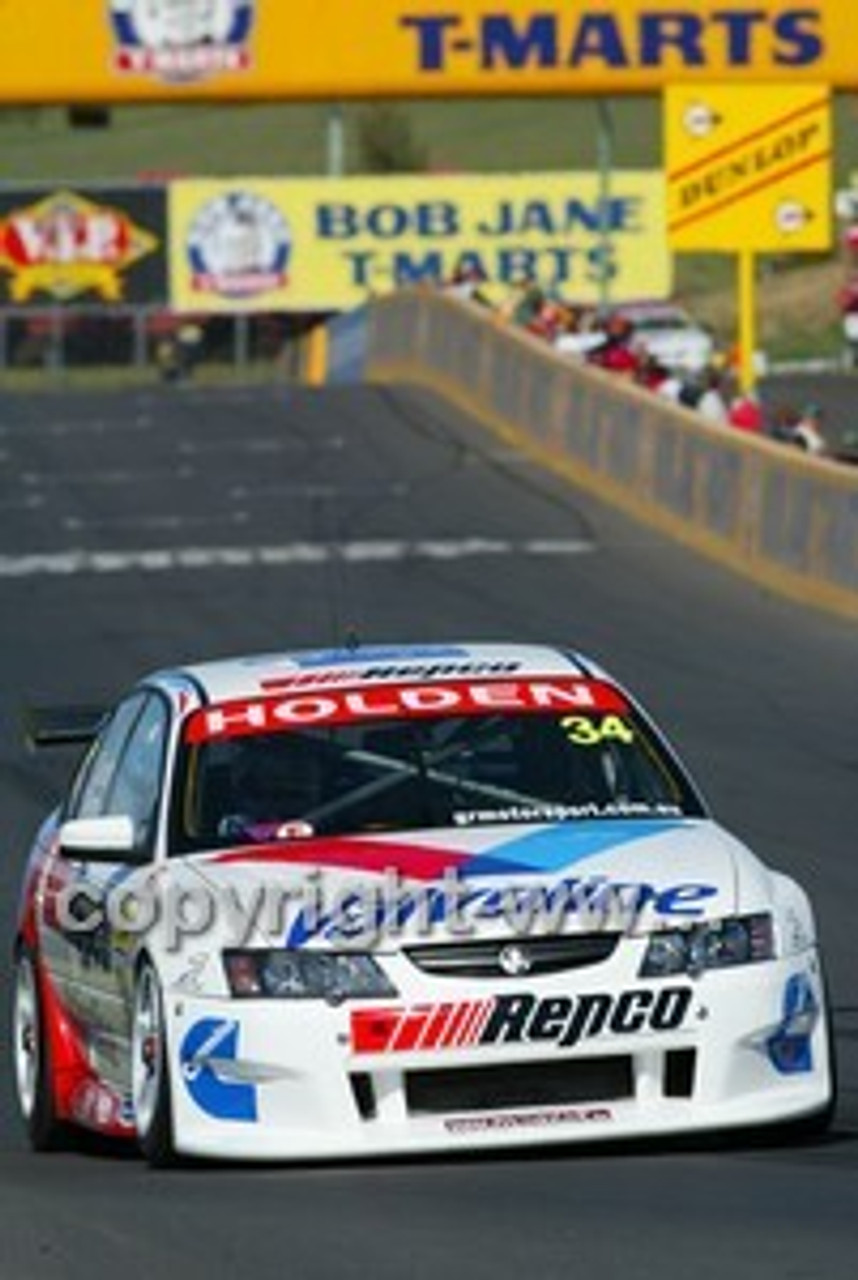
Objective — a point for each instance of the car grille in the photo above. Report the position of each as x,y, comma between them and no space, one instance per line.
510,958
537,1084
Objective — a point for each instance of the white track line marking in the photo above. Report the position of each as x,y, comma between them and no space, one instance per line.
292,554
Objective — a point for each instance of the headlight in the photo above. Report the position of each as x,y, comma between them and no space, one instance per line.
305,975
718,944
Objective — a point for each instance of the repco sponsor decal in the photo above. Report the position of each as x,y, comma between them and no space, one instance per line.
454,697
408,673
518,1019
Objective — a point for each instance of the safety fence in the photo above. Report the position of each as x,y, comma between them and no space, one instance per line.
53,341
787,521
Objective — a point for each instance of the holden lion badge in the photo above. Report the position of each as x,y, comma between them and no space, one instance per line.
514,960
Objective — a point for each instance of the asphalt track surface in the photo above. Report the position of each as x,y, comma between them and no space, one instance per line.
155,527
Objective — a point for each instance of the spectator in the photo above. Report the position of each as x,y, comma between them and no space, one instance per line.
711,404
848,301
511,308
580,333
808,432
746,413
167,359
672,389
465,283
547,320
528,304
189,345
803,430
650,372
615,353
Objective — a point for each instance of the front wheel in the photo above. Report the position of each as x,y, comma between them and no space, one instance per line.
32,1057
150,1073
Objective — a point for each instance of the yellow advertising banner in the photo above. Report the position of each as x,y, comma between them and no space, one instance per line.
137,50
749,171
250,244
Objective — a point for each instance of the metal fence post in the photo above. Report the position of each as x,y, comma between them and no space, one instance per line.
241,341
56,342
140,316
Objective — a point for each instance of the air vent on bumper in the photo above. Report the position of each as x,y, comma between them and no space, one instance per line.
443,1090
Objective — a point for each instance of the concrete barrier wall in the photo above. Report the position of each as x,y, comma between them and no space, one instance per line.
346,355
788,521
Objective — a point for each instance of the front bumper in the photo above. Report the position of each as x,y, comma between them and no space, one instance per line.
456,1064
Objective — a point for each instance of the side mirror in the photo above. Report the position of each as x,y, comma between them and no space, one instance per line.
107,838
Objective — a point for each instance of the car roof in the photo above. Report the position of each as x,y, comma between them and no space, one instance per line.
353,666
650,310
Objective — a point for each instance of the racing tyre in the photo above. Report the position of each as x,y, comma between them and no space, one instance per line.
150,1073
32,1055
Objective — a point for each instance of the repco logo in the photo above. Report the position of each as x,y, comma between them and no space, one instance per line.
564,1020
517,1019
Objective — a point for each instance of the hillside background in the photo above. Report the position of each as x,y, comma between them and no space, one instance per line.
797,296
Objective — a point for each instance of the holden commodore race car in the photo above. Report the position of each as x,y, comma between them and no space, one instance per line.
390,900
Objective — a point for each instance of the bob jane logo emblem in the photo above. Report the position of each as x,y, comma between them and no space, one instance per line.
65,245
182,40
238,246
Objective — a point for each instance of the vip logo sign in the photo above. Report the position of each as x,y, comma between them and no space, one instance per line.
65,244
182,40
238,246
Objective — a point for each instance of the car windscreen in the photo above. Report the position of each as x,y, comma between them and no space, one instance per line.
400,774
663,324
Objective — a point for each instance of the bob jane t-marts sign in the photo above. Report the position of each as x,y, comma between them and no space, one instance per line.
133,50
259,244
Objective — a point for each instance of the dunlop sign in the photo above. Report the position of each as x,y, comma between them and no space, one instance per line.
749,171
166,50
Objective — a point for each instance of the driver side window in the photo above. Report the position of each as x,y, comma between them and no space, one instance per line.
136,785
122,774
91,787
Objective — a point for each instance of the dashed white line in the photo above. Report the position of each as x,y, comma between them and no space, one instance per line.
292,554
27,502
258,445
119,476
170,523
60,427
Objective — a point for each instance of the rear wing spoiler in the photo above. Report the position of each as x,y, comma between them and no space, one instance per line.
62,726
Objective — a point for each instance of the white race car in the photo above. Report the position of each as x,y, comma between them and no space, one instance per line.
381,900
670,334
